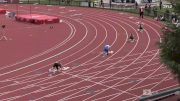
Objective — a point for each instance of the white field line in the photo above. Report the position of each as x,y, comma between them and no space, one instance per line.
120,58
162,80
126,67
45,52
46,58
147,76
110,66
89,60
69,78
71,54
29,76
154,83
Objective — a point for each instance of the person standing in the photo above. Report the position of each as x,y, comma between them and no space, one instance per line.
160,4
141,12
110,3
136,4
101,4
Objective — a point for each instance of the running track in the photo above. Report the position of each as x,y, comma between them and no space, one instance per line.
77,43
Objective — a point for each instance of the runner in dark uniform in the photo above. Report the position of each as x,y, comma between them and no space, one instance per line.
57,66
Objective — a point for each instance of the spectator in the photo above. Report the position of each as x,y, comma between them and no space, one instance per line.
160,4
173,20
178,24
163,18
101,4
157,18
136,4
141,12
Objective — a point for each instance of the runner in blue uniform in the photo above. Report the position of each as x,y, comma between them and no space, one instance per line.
106,49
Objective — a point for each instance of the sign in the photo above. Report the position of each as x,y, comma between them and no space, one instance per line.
167,6
147,92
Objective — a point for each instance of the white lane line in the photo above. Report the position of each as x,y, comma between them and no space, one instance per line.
130,99
125,68
86,47
133,68
47,51
126,77
176,85
154,83
159,74
55,55
110,66
107,75
162,80
93,94
145,78
46,58
164,73
43,89
126,60
87,74
79,14
29,76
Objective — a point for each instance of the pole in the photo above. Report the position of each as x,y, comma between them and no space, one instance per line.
30,10
59,2
17,9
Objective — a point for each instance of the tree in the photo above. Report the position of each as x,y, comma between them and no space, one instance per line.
170,51
122,1
89,3
177,8
176,5
110,3
170,46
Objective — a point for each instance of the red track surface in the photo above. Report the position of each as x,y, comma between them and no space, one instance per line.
77,43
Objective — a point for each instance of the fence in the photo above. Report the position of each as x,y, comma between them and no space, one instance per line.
152,11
